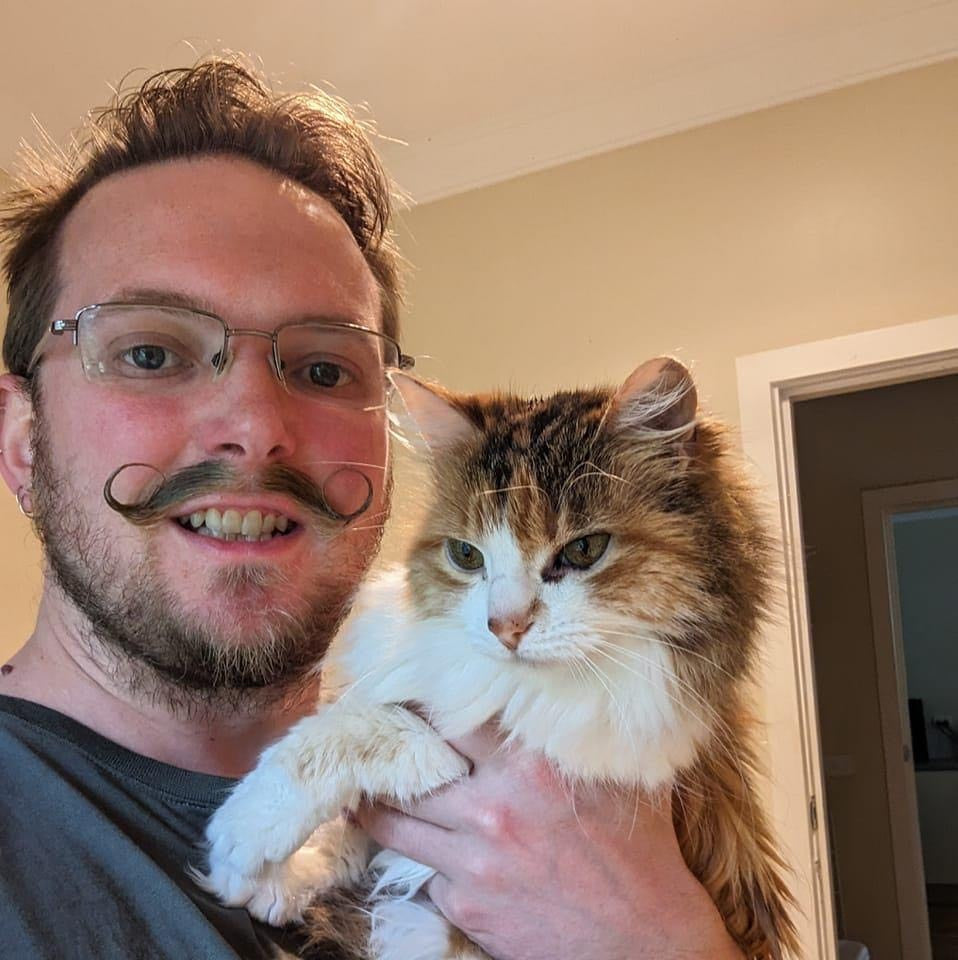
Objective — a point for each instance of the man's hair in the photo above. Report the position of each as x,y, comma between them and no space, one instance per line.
219,106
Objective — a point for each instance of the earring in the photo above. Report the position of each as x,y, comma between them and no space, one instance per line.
24,502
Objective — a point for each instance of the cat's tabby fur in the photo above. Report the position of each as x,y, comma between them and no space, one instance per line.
668,617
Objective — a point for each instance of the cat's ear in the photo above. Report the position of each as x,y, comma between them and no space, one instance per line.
660,395
434,415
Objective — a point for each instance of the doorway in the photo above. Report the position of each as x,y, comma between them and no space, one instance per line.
869,462
771,385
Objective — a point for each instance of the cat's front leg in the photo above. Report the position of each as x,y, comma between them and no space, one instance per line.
327,762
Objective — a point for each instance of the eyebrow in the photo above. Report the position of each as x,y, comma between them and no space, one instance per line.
165,297
161,297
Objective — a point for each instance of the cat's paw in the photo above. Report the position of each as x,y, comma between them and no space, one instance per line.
423,765
263,821
277,895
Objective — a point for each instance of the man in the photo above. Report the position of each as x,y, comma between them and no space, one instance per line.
195,440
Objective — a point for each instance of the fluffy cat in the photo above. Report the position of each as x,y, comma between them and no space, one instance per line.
591,573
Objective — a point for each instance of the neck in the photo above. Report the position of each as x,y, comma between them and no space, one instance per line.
58,669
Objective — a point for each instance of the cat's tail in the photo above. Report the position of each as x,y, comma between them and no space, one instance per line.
728,844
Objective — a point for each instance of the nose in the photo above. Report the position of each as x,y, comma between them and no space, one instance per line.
511,627
249,414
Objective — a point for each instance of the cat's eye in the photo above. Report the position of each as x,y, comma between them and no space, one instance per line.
465,555
582,552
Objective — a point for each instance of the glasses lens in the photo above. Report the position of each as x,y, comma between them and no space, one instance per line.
148,347
326,362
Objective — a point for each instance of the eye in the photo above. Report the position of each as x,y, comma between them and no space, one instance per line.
584,551
150,357
465,555
326,373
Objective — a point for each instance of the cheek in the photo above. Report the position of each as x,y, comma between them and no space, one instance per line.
93,435
471,607
567,606
356,441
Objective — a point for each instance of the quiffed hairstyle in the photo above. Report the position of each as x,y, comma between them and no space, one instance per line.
218,106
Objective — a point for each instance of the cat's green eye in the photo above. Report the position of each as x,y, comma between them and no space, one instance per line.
584,551
465,555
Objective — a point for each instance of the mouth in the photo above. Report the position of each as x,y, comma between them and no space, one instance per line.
250,526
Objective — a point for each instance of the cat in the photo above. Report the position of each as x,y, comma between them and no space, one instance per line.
592,573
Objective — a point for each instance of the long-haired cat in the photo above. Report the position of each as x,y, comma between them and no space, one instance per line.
591,573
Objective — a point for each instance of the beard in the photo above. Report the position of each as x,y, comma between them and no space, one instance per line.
139,632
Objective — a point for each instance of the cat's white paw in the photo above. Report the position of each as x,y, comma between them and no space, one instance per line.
422,765
263,821
277,895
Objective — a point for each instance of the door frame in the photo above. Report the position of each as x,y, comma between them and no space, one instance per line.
769,384
878,508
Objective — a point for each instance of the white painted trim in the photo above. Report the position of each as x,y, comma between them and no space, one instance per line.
769,384
878,507
453,161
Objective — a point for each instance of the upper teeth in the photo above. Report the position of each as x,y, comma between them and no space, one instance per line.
252,525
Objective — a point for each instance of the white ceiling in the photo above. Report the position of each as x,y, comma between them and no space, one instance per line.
479,90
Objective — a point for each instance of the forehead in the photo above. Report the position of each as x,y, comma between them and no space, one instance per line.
541,465
224,232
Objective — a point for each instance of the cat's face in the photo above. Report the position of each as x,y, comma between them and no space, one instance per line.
584,527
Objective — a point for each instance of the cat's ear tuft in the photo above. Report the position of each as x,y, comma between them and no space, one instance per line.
659,395
432,411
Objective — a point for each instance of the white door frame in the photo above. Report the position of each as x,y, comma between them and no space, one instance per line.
878,508
769,384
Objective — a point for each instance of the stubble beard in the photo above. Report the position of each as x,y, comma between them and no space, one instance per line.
138,631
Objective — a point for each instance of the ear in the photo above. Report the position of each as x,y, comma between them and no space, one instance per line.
439,421
16,419
659,395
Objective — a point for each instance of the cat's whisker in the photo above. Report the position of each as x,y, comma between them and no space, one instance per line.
683,685
681,704
345,463
685,651
519,486
596,471
676,700
603,678
722,734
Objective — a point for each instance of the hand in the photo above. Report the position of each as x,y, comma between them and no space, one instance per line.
530,872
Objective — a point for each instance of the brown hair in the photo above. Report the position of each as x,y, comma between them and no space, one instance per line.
218,106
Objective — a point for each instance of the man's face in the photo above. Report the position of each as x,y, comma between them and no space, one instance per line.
229,237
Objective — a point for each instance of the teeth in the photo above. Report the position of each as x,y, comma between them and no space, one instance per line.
253,526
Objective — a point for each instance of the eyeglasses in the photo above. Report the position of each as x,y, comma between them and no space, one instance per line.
146,348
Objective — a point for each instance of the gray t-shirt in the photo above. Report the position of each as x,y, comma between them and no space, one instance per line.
94,845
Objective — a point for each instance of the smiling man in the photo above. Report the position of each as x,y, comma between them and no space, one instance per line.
204,303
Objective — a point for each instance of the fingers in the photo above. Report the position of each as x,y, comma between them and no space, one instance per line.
480,745
423,842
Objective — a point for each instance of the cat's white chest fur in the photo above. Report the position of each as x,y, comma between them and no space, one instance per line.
620,715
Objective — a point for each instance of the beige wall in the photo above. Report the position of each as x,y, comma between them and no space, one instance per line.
20,562
820,217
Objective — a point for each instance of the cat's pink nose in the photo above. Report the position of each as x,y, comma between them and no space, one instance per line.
512,628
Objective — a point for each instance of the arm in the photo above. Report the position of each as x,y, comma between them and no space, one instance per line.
530,875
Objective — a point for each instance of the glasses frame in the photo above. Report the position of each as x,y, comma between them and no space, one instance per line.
60,327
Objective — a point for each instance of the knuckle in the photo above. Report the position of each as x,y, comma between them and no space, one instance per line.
480,869
495,820
461,911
